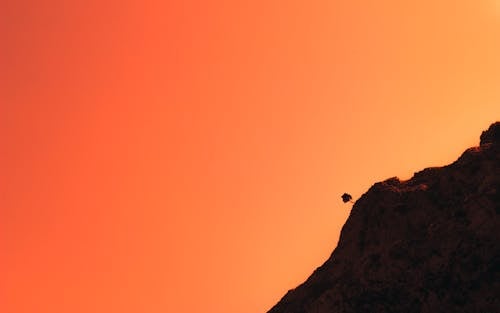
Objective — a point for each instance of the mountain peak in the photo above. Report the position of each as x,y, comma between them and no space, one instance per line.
428,244
492,135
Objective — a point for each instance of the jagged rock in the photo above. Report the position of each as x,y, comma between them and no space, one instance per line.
492,135
429,244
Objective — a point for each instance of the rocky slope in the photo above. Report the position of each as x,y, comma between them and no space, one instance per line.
429,244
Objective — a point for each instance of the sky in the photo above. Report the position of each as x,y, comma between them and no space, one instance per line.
189,156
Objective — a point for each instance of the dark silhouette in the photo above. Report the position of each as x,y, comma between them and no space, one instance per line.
424,245
346,197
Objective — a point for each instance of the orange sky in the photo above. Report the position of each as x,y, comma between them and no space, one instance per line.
190,156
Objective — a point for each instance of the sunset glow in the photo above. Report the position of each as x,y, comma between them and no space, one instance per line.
189,156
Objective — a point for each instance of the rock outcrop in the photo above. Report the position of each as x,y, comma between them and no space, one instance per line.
428,244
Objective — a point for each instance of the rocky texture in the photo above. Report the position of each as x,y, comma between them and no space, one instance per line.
429,244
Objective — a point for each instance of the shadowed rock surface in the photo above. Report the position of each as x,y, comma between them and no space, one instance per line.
429,244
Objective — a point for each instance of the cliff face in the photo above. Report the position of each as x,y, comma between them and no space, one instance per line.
429,244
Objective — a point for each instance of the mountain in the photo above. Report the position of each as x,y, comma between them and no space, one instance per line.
428,244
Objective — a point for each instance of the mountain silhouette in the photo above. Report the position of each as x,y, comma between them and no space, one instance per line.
428,244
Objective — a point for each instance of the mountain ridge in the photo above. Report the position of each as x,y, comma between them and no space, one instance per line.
427,244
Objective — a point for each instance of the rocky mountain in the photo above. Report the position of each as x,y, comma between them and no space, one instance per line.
428,244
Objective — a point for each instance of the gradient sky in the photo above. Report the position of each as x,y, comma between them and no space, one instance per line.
189,156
